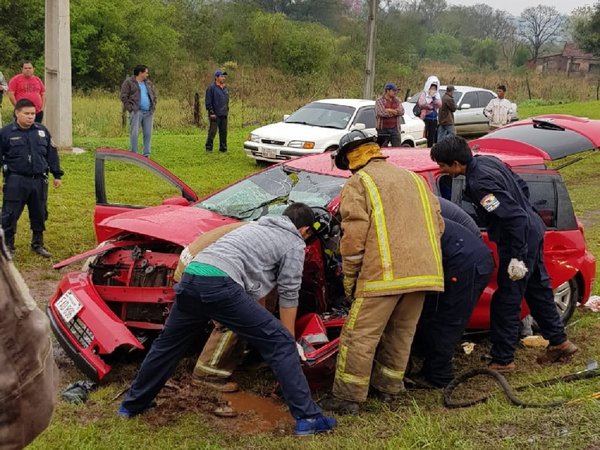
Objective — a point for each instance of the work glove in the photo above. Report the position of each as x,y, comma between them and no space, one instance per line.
300,352
349,285
516,269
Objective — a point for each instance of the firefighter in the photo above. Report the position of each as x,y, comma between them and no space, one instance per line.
390,247
501,200
27,155
468,265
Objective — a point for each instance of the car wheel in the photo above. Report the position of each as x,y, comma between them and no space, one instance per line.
565,298
333,148
407,144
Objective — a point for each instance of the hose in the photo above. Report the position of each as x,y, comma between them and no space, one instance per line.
508,390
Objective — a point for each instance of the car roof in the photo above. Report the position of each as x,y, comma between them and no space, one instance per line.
464,89
355,102
414,159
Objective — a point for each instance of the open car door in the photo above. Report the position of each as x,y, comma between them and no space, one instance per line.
127,195
550,136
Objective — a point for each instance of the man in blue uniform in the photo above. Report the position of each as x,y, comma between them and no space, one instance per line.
27,154
217,105
501,200
468,265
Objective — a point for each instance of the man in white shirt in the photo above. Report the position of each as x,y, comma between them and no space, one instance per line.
500,111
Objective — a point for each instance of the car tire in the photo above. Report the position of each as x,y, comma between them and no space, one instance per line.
333,148
407,144
566,297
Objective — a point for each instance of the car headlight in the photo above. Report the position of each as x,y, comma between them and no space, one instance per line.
308,145
254,138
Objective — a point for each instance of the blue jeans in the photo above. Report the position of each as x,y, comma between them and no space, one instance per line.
444,131
145,117
200,299
389,136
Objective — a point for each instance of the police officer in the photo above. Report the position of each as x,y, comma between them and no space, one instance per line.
27,155
468,265
501,200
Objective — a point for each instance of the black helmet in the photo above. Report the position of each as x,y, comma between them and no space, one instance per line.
349,142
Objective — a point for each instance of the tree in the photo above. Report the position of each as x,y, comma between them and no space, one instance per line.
442,47
585,25
541,25
485,52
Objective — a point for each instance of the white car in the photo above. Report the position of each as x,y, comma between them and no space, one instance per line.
318,127
470,101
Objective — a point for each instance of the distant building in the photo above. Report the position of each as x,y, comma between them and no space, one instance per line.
572,61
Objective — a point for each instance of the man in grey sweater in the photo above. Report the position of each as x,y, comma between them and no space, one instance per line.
224,283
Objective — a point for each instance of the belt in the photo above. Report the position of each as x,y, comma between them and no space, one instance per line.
34,176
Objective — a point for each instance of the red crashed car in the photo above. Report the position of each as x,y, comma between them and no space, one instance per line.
123,294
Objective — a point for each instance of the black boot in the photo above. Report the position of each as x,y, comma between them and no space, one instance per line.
37,245
10,245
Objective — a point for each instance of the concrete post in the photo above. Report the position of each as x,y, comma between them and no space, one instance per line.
58,113
370,63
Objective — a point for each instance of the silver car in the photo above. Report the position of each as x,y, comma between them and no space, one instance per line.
470,101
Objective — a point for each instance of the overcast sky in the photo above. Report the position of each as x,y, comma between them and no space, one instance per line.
516,7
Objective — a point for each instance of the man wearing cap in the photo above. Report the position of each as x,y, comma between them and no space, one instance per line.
391,256
389,111
217,105
446,118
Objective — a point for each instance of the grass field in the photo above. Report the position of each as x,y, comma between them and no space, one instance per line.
417,421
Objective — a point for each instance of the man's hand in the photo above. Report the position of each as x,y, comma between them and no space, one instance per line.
516,269
57,183
300,352
212,116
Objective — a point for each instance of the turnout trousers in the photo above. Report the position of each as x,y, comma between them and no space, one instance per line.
377,338
199,299
506,305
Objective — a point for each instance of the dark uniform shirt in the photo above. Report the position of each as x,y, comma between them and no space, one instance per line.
217,100
462,251
28,151
456,214
501,200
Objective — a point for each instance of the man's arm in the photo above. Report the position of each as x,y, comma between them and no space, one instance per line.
43,95
288,318
208,100
126,95
3,84
380,109
11,97
487,111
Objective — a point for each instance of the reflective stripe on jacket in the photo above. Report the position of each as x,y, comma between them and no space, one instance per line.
391,232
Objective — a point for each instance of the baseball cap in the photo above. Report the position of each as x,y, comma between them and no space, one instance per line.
449,88
220,72
391,86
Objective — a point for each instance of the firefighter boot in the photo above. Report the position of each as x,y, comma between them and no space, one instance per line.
37,245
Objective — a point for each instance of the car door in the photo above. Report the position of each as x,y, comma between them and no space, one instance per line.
465,119
366,116
120,181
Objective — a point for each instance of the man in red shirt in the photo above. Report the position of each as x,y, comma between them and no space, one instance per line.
27,85
389,112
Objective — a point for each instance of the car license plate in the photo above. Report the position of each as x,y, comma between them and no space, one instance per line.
68,306
269,152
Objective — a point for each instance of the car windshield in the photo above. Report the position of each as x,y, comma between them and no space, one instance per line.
326,115
271,191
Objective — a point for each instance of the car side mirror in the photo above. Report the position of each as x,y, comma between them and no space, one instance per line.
465,106
358,126
286,117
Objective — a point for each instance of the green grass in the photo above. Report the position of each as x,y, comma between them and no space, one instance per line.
418,421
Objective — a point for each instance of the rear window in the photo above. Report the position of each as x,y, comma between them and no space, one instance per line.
547,194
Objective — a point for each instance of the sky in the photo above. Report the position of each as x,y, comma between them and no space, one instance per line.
516,7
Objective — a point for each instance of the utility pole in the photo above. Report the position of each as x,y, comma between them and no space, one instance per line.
58,114
370,68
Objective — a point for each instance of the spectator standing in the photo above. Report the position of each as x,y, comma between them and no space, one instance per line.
217,105
27,85
430,101
3,90
27,154
139,99
389,112
501,200
499,111
446,120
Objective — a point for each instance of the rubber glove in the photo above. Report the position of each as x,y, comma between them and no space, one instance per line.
516,269
300,352
349,285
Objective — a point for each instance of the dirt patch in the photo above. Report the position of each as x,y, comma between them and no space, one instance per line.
42,284
589,218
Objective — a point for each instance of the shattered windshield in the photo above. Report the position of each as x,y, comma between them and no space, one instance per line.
271,191
327,115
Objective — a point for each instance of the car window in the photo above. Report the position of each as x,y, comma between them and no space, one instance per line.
327,115
547,194
471,99
271,191
484,98
366,116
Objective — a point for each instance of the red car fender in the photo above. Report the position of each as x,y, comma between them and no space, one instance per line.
104,331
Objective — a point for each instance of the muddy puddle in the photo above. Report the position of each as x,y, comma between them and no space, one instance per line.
258,414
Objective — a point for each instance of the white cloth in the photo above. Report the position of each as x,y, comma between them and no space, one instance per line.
516,269
301,352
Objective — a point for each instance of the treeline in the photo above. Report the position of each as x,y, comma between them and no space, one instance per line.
316,41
